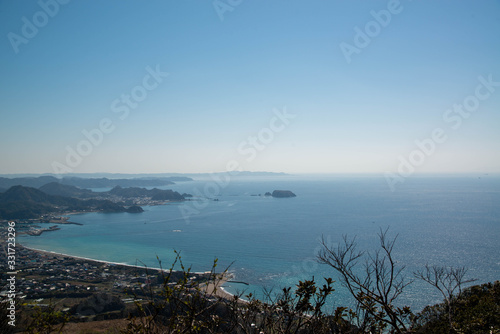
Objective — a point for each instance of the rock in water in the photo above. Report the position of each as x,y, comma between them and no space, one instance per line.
283,193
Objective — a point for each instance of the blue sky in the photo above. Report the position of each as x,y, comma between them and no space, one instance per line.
232,67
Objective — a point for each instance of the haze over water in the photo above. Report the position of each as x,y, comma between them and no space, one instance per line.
451,221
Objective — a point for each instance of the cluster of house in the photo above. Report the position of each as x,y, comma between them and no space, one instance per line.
39,274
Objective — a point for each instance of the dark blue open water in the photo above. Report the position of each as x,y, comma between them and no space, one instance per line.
453,221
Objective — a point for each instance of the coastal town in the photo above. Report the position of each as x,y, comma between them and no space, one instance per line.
42,274
86,290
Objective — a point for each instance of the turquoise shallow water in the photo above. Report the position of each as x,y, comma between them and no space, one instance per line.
273,242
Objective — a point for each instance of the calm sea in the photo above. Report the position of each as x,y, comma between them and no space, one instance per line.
271,242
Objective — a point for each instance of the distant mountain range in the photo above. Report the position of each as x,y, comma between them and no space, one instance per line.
37,182
175,177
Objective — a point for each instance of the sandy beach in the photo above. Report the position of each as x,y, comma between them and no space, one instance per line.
216,288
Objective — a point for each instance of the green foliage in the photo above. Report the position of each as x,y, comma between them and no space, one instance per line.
476,310
289,311
182,305
46,320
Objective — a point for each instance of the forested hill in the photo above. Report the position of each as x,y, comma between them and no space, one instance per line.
154,194
20,202
59,189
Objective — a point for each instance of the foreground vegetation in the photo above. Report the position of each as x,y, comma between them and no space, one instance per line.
375,281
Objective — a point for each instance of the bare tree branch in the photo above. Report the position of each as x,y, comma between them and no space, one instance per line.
378,285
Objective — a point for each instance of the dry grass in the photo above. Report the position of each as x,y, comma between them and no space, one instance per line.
94,327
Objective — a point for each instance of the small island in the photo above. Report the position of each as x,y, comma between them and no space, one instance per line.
281,194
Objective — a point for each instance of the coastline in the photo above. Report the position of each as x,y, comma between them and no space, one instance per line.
64,219
222,278
92,260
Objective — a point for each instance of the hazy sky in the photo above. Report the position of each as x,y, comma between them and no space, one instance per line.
285,85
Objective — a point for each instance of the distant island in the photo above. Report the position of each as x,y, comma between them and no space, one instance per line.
281,194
